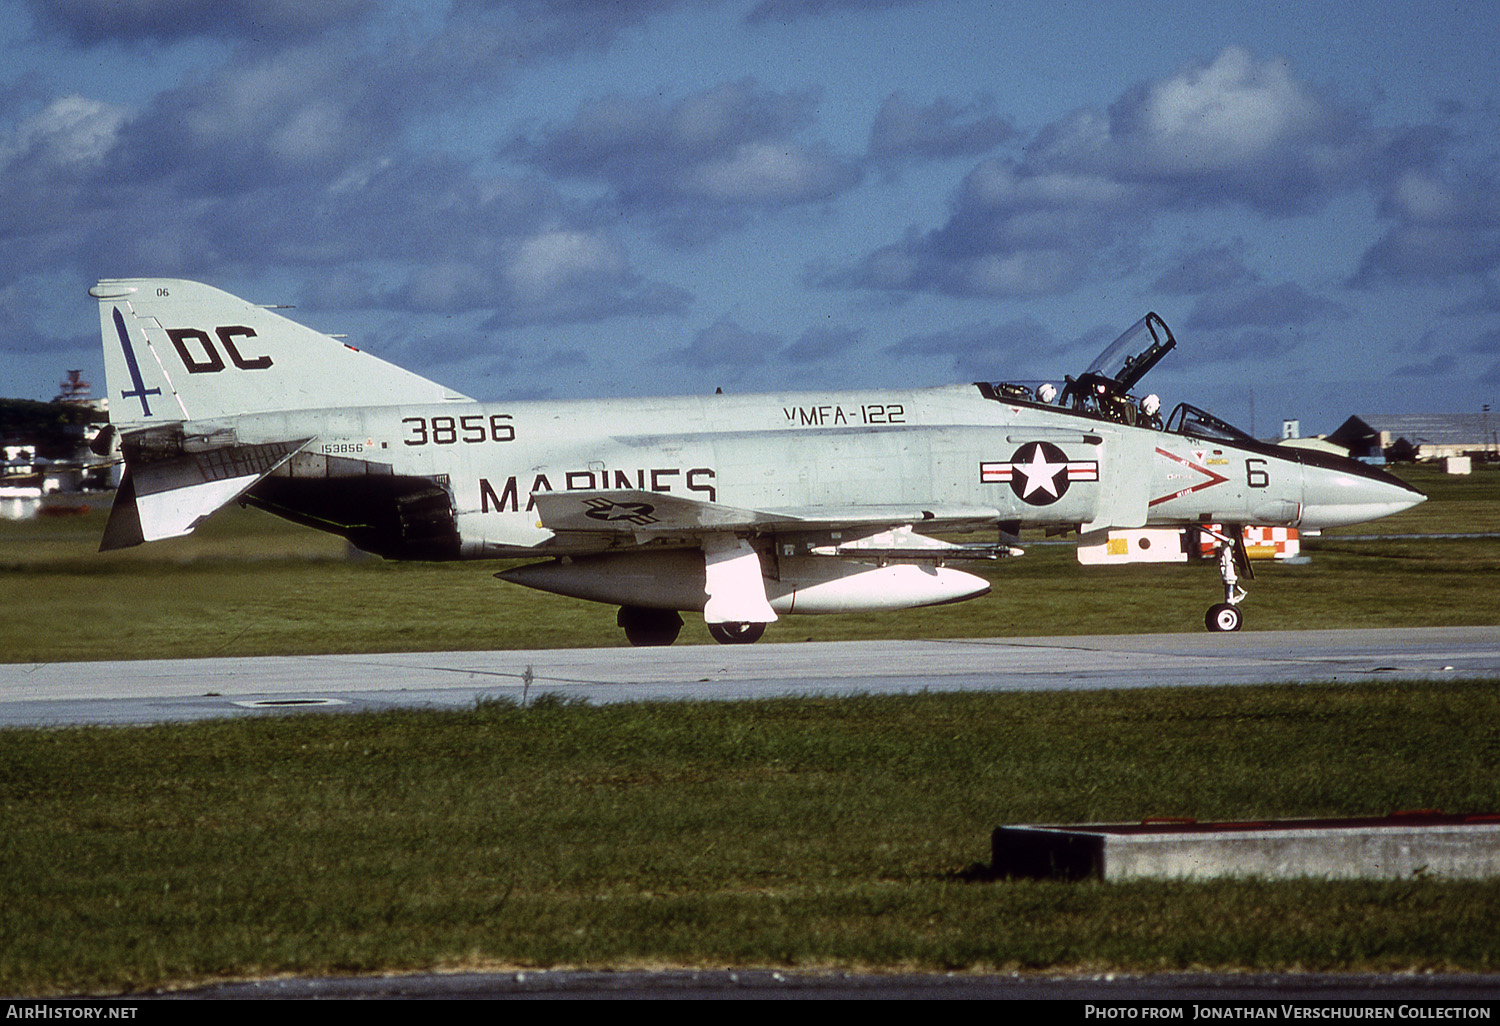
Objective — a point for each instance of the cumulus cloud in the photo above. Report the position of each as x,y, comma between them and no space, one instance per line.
1231,132
824,343
1267,306
51,165
1232,129
475,33
700,165
938,131
1206,269
1010,234
782,11
982,351
72,132
725,344
577,276
298,111
1442,228
94,21
554,274
297,159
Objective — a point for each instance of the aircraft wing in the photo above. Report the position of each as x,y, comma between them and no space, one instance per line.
659,514
172,483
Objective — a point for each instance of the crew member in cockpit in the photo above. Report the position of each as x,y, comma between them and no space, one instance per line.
1150,411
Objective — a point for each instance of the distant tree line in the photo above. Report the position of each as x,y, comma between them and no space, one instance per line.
56,429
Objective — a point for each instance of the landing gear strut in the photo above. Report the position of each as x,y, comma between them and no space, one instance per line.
1225,616
649,626
736,633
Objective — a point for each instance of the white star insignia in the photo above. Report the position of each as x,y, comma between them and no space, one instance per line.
1040,474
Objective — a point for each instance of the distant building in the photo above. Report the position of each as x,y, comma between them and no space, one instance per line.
46,463
1419,436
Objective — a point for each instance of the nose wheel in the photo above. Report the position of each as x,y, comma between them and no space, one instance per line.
1223,617
1226,616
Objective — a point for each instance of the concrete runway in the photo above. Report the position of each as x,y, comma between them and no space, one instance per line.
164,690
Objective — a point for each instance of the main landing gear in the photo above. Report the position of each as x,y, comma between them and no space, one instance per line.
736,633
654,627
1226,616
647,627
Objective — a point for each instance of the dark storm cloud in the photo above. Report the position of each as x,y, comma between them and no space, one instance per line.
699,166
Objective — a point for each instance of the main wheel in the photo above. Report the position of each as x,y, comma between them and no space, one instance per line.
1223,617
644,627
736,633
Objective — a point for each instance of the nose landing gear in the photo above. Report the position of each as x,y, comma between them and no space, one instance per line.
1226,616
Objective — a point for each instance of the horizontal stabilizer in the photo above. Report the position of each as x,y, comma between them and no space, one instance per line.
167,498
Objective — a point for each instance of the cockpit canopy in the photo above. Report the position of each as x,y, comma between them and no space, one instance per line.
1187,419
1103,390
1130,356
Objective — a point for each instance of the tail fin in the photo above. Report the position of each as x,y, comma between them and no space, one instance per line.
178,350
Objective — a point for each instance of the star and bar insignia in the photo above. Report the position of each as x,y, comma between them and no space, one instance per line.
638,513
1039,473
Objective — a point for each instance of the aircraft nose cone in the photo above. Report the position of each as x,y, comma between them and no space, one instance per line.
1352,494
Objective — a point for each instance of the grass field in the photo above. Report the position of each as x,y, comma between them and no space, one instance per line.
790,833
795,833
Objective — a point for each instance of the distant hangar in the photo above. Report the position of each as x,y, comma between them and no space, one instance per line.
1420,436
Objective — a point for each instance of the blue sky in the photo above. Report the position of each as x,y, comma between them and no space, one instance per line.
544,198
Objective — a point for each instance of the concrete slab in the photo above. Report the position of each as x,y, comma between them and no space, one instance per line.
1393,847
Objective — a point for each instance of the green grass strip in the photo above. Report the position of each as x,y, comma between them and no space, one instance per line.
791,833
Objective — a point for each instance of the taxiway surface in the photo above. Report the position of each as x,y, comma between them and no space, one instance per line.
165,690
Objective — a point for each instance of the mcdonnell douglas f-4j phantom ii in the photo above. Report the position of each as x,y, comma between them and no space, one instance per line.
741,507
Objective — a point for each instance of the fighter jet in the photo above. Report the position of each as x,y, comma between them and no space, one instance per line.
743,508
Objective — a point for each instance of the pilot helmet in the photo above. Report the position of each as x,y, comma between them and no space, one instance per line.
1151,404
1047,392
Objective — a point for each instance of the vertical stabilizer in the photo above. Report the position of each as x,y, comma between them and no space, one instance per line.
178,350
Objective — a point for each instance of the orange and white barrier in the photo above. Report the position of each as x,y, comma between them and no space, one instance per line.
1260,542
